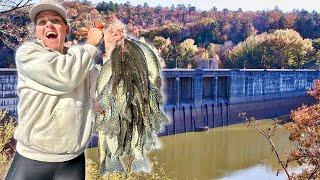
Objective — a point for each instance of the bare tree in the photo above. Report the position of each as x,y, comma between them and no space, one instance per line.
14,28
12,5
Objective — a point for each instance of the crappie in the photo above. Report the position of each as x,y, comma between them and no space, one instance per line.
152,63
129,95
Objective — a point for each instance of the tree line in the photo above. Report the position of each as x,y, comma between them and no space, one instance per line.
184,35
260,39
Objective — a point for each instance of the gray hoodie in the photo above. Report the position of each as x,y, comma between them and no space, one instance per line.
55,91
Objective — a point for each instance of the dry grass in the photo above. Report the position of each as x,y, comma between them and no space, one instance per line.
7,144
158,172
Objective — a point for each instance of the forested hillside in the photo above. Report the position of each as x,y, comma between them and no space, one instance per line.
184,35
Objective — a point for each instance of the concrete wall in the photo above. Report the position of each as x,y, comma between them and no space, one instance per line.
218,96
8,91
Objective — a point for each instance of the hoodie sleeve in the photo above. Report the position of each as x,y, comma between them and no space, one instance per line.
94,73
52,72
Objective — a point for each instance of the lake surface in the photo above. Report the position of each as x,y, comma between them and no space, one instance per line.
233,152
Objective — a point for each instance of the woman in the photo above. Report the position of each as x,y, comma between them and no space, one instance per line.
55,88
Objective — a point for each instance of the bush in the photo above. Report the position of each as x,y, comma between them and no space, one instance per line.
7,143
281,49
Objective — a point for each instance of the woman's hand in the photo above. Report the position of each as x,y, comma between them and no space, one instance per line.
94,36
113,37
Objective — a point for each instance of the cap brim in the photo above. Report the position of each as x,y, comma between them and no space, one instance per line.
35,10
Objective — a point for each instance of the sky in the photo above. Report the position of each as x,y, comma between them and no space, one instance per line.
245,5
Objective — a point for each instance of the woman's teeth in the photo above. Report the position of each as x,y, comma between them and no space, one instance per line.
51,34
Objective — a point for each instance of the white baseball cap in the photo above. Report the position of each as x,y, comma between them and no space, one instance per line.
47,5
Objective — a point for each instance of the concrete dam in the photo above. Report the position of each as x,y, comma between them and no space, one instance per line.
198,97
214,98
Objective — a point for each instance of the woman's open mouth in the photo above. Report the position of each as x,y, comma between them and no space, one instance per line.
51,35
51,40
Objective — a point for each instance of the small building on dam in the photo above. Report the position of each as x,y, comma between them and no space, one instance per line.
214,98
196,98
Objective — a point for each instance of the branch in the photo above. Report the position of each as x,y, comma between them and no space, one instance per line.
314,172
254,123
17,6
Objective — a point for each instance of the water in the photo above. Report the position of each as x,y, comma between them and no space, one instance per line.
233,152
